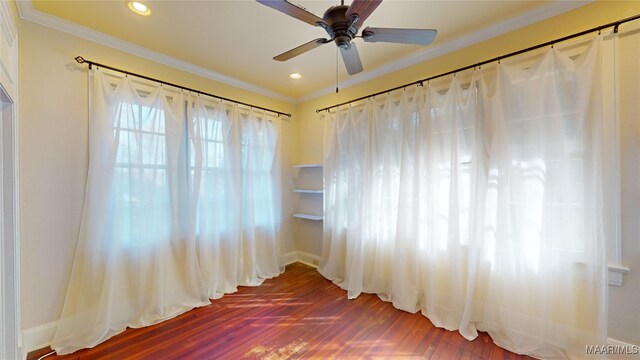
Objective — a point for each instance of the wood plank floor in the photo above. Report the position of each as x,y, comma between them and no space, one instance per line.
298,315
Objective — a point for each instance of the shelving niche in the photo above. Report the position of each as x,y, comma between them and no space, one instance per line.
308,184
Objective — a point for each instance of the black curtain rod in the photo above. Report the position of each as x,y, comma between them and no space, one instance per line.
82,60
615,25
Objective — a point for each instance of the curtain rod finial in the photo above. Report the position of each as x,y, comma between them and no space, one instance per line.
79,59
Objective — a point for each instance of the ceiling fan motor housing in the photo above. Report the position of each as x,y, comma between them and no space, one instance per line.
341,29
343,23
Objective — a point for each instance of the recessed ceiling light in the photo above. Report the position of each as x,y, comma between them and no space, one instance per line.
295,76
139,8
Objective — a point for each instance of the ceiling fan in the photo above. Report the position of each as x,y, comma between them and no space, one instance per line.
342,23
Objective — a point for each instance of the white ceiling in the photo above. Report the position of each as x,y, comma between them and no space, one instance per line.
238,39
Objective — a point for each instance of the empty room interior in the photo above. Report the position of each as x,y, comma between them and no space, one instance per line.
300,179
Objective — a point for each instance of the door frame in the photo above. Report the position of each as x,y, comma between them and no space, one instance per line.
10,339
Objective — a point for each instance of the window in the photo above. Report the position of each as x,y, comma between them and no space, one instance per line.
140,188
210,169
257,158
230,160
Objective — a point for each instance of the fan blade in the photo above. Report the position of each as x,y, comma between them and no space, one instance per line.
401,36
351,59
362,8
293,10
300,49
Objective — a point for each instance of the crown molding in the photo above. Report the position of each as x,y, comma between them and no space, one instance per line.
27,12
504,27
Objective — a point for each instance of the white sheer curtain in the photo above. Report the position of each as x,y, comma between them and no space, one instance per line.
479,204
236,195
134,264
182,205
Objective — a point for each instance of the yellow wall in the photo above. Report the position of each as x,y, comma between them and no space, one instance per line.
53,149
624,308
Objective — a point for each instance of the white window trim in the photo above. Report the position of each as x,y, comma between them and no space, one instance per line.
611,107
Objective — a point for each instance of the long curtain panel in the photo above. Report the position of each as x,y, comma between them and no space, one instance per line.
182,205
235,195
478,203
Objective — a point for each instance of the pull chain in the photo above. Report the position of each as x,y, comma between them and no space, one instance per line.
337,70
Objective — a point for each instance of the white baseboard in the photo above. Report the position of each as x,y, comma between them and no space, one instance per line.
308,259
299,256
615,342
288,258
37,337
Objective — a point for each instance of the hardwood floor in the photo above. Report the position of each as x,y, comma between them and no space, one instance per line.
298,315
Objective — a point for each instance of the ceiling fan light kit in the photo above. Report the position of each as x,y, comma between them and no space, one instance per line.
342,23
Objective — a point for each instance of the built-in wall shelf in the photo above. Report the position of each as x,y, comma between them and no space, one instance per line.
308,166
308,216
308,191
309,184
